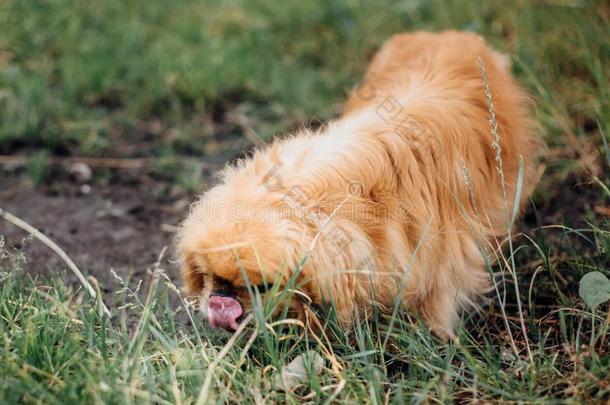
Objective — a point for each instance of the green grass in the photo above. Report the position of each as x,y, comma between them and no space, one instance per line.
76,76
86,77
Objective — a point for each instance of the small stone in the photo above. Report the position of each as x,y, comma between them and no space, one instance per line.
81,172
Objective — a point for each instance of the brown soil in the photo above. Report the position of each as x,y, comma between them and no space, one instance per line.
120,223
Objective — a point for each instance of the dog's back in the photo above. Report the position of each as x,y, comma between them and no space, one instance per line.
430,87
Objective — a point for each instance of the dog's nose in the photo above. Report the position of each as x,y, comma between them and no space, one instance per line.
224,312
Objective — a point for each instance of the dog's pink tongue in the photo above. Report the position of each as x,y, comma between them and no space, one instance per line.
223,312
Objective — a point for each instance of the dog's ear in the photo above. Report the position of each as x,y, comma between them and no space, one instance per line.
339,268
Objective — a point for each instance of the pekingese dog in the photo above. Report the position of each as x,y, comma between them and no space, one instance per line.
398,200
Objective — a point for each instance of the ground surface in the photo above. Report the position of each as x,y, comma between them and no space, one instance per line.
118,226
177,89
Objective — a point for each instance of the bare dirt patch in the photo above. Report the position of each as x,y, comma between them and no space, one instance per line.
119,223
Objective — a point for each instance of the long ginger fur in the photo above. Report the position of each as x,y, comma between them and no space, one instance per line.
401,197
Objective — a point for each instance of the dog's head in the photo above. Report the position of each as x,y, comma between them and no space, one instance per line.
231,246
235,242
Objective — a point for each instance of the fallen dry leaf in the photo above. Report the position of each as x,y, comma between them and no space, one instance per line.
297,371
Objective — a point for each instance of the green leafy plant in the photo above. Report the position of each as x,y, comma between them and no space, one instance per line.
594,289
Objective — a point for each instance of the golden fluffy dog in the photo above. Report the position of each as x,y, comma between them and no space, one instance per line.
396,201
